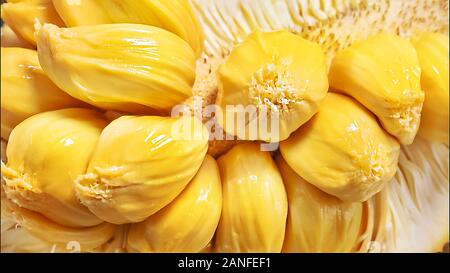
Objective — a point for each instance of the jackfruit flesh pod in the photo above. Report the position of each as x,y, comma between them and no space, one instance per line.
22,15
38,232
176,16
432,50
126,67
26,90
254,208
284,81
153,160
188,223
342,150
318,222
45,154
383,74
10,39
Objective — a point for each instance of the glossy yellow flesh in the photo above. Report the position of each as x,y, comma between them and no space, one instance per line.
48,236
317,221
432,50
286,79
254,206
189,222
126,67
342,150
45,155
10,39
175,16
383,74
22,16
26,90
151,164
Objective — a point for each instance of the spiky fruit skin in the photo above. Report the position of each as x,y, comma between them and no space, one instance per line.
26,90
126,67
22,15
46,152
383,74
154,159
189,222
254,206
175,16
284,82
432,50
317,221
342,150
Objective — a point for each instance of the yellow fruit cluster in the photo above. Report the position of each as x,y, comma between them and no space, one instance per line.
96,155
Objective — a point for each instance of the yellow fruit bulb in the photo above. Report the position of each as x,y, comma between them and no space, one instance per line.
342,150
176,16
153,160
280,76
21,16
254,208
10,39
84,12
26,90
432,50
383,74
318,222
126,67
188,223
37,232
46,152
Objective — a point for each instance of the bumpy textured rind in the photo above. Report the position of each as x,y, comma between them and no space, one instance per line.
254,206
154,159
189,222
126,67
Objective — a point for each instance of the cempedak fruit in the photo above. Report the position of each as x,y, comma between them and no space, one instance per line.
26,90
46,153
36,233
280,83
342,150
317,221
189,222
126,67
21,16
254,205
154,159
383,74
432,50
175,16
